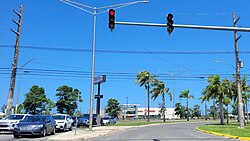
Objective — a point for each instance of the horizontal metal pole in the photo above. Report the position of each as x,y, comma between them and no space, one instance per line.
187,26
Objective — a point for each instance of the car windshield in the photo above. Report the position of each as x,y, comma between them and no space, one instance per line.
34,119
14,117
59,117
87,115
106,118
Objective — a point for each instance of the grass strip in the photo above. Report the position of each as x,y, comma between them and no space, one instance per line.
228,129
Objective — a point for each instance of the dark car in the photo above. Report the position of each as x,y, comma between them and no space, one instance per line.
84,120
35,125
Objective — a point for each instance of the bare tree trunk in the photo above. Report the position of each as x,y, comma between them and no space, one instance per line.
148,104
205,110
163,107
247,113
227,116
214,118
187,111
221,111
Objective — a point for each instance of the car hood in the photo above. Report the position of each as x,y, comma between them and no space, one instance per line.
29,123
9,121
59,121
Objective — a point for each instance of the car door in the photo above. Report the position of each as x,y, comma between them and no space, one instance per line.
50,125
69,121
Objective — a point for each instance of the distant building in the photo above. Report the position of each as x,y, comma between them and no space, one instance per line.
133,111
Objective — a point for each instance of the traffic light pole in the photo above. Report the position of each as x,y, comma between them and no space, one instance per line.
187,26
95,9
235,29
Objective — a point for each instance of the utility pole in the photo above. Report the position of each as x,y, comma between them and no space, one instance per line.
95,12
14,65
240,103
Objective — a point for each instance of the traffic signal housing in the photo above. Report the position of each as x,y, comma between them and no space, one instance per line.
170,23
111,19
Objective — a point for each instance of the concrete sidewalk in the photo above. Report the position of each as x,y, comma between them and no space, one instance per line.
84,133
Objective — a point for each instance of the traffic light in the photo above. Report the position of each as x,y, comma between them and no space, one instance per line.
111,19
170,23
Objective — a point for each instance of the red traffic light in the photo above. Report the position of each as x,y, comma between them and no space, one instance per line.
170,16
111,19
111,12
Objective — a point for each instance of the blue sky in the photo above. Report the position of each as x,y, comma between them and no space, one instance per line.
58,38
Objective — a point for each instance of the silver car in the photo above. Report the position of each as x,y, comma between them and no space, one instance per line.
7,124
108,120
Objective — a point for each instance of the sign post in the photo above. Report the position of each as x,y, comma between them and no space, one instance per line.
98,80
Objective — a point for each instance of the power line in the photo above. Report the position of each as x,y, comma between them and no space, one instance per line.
127,51
38,73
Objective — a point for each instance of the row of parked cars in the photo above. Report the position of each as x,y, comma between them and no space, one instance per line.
26,124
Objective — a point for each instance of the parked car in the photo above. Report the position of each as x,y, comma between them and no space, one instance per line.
84,120
8,123
63,121
108,120
35,125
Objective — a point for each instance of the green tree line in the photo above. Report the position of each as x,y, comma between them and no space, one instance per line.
36,101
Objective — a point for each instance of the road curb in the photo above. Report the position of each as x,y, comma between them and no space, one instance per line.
224,135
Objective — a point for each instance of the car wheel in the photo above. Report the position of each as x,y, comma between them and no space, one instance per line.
54,131
16,136
44,132
64,128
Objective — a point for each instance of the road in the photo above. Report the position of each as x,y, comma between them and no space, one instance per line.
10,137
169,132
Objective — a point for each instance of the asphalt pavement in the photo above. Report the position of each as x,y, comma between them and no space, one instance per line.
184,131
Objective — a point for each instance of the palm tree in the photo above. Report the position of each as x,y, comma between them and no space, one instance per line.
215,91
185,94
145,79
160,89
204,98
245,95
227,101
245,98
219,90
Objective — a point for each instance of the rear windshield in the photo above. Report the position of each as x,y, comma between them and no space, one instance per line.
34,119
14,117
59,117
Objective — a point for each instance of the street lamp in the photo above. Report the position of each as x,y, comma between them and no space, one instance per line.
127,108
19,85
78,96
84,8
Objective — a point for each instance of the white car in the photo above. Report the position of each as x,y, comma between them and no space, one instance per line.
63,121
108,120
8,123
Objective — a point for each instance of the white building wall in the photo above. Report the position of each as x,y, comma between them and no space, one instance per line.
155,112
